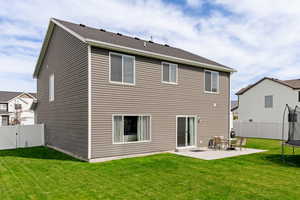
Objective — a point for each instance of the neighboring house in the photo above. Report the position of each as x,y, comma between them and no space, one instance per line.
265,100
103,94
15,108
234,110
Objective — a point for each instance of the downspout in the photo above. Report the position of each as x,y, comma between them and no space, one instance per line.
229,103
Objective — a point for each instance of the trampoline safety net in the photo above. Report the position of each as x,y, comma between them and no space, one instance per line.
294,126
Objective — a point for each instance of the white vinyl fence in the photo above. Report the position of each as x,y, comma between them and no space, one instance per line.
20,136
267,130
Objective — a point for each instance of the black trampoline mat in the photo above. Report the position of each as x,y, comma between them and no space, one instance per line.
294,142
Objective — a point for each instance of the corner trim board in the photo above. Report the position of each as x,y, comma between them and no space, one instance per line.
89,103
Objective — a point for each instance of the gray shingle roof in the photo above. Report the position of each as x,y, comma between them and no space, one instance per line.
293,84
122,40
234,104
5,96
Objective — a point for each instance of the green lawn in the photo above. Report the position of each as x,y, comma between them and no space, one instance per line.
41,173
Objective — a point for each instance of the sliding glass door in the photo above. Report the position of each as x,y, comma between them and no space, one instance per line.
186,131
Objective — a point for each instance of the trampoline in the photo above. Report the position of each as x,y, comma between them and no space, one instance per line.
293,137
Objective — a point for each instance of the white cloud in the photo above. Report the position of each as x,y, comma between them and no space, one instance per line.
20,64
16,83
194,3
258,38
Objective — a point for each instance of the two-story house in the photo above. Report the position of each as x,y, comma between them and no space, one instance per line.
104,94
15,108
265,100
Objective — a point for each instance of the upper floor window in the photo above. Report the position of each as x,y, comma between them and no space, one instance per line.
269,101
211,81
18,106
51,87
122,68
299,96
169,73
3,107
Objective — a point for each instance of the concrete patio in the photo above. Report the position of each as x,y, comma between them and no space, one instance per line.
211,154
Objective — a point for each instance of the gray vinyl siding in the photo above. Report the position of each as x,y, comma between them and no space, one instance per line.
66,118
150,96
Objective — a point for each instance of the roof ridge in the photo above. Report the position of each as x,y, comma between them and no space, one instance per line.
121,34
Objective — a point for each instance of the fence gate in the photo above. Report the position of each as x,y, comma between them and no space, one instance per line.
20,136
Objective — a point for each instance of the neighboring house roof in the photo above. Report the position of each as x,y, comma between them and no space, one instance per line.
33,94
234,105
119,42
293,84
6,96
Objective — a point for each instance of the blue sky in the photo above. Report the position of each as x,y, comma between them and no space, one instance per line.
258,38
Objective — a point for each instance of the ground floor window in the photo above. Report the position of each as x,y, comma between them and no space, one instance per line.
131,128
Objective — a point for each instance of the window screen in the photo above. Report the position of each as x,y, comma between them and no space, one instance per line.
269,101
211,81
208,81
214,82
169,73
116,68
173,73
166,72
128,70
122,68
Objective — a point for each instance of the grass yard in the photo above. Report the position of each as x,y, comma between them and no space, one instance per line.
41,173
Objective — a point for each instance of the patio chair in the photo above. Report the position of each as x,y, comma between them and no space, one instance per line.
240,142
243,142
219,142
211,143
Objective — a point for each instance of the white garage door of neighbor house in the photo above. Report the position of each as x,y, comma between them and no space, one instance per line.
20,136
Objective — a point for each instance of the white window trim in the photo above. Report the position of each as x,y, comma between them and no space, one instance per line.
162,73
122,115
122,82
51,98
210,92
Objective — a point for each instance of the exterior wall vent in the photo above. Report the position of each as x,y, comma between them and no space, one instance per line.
119,34
101,29
136,38
82,25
